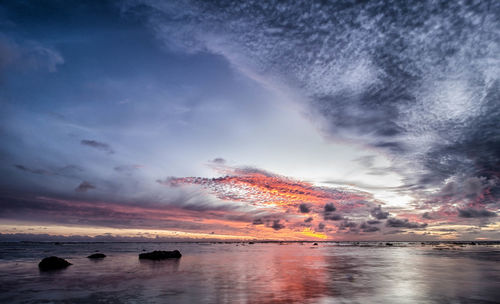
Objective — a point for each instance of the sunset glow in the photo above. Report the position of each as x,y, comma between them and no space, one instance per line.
247,120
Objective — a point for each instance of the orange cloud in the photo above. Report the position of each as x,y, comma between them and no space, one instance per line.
263,189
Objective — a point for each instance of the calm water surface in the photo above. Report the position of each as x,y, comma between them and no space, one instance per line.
259,273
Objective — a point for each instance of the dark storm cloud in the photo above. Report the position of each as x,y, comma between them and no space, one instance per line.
403,223
330,207
321,226
418,79
304,208
378,213
332,217
475,213
276,225
367,228
348,226
84,187
97,145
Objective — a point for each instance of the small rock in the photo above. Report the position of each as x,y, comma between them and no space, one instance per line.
160,255
315,244
97,256
53,263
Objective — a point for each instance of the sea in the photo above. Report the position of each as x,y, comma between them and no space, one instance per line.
270,272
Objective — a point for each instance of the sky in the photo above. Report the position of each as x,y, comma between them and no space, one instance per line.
239,120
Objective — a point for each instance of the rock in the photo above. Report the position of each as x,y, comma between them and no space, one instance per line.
315,244
389,244
160,255
53,263
97,256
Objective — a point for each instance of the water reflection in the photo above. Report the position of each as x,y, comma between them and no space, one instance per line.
261,273
161,266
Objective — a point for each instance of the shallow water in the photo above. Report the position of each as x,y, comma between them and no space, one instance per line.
259,273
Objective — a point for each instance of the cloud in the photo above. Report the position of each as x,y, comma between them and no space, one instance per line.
366,161
97,145
304,208
84,187
332,217
475,213
367,228
219,161
127,169
412,79
330,207
257,222
27,54
427,216
145,237
378,213
277,225
282,199
347,225
141,214
261,188
67,171
403,223
34,171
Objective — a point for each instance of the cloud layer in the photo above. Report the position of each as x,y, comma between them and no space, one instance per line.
356,120
419,80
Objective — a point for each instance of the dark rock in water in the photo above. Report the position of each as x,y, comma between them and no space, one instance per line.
251,243
53,263
97,256
160,255
315,244
389,244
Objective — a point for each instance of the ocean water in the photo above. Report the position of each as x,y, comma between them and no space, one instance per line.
258,273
